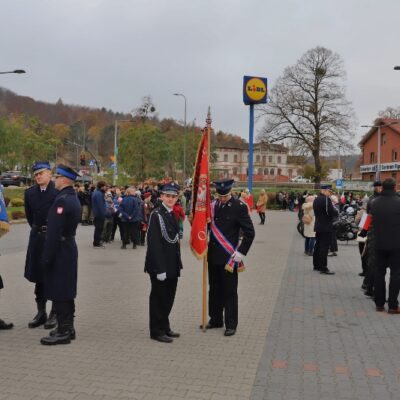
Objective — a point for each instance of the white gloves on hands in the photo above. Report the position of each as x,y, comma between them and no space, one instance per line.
238,257
162,277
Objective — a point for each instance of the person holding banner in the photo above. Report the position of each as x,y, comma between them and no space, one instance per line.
229,216
4,228
163,263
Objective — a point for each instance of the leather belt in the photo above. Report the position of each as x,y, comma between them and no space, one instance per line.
40,228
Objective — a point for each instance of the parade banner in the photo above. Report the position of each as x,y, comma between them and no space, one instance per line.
201,211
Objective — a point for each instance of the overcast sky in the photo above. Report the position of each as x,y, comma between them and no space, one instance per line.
111,53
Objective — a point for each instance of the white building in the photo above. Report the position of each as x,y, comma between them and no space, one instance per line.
270,162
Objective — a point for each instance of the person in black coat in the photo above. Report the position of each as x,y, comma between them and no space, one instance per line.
163,263
231,217
38,200
60,256
385,211
324,214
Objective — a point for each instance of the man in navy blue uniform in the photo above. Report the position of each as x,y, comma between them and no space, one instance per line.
60,256
324,214
99,212
163,263
38,200
231,217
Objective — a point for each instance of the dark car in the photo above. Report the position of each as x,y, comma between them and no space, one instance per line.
14,178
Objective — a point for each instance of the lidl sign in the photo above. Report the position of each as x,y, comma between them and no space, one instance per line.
254,90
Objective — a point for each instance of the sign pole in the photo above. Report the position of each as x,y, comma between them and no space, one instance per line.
251,139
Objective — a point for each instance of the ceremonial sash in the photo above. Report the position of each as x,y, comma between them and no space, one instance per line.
231,265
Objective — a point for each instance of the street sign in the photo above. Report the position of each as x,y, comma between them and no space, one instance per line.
91,163
254,90
339,183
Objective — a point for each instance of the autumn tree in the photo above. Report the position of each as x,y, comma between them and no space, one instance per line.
308,108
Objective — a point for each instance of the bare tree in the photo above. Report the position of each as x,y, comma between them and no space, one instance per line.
390,112
308,109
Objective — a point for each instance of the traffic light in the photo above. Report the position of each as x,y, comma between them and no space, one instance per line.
83,159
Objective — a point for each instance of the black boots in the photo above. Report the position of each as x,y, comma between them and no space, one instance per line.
4,325
41,316
64,333
51,321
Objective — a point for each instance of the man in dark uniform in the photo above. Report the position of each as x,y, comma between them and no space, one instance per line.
163,263
324,213
230,217
38,200
60,256
385,211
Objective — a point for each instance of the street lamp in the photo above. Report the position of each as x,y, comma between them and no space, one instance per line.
16,71
378,169
115,175
184,140
397,68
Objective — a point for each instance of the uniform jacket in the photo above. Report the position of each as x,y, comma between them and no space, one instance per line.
163,256
98,204
385,211
60,253
324,214
37,206
129,209
230,219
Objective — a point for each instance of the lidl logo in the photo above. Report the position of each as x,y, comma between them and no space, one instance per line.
254,90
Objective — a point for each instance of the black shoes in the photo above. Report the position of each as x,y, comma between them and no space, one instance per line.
173,334
162,339
57,338
229,332
123,247
4,325
72,333
39,319
134,246
210,326
326,272
51,321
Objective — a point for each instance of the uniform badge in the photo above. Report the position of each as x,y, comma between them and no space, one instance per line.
60,210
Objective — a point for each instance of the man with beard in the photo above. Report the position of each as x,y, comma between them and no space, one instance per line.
38,200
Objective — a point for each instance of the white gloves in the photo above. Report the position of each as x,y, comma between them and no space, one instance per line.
238,257
162,277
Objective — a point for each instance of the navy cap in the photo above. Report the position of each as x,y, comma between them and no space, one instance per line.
326,187
377,184
170,188
40,166
67,172
224,186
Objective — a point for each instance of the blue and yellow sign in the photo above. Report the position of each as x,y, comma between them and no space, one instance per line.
254,90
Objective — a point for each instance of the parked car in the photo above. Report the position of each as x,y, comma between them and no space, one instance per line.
14,178
300,179
84,179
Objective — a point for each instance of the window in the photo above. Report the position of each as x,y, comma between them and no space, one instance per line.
257,158
235,158
225,157
279,171
265,171
394,175
279,160
260,171
270,159
371,177
290,172
272,172
235,171
264,160
372,157
394,155
383,138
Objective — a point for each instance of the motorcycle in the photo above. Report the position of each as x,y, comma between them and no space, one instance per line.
346,229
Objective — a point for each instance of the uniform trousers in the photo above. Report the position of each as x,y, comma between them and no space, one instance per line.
320,256
65,311
385,259
98,230
130,232
223,296
162,298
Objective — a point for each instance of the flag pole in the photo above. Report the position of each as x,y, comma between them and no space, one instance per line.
205,263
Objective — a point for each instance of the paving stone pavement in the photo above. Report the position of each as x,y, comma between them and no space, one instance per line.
113,357
325,339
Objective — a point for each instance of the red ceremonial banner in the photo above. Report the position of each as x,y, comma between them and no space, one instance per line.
201,210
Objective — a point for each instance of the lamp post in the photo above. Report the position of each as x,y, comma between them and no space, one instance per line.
16,71
397,68
115,175
339,177
378,160
184,139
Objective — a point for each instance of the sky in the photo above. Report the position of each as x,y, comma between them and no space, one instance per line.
112,53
